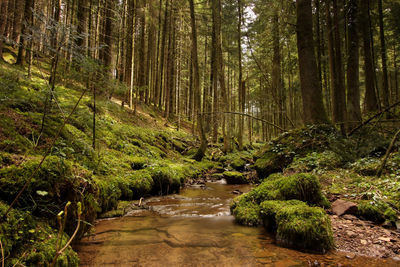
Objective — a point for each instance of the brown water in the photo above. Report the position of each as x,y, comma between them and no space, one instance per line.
194,228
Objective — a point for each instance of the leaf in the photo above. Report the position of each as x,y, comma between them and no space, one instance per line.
42,193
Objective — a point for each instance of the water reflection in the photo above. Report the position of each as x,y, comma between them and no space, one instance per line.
195,229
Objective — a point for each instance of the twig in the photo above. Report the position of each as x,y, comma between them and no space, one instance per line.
2,254
373,117
45,156
380,170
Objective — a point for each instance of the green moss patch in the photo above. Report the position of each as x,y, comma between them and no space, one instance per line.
303,227
55,183
269,209
234,177
280,152
31,242
304,187
376,211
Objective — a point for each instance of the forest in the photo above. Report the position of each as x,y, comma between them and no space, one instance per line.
199,133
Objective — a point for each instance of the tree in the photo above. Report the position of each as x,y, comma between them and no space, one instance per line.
3,23
313,108
196,82
353,87
371,101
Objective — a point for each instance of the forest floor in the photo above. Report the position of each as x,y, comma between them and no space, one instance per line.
143,154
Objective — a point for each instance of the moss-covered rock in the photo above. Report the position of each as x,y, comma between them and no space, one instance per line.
376,211
327,160
234,177
280,152
303,227
246,213
302,186
238,164
269,209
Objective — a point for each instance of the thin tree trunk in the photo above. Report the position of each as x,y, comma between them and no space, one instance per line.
240,90
385,80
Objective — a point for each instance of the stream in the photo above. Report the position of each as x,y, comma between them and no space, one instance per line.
195,228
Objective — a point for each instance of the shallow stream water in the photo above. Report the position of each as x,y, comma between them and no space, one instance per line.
195,228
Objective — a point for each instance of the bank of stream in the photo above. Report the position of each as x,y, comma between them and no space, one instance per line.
195,228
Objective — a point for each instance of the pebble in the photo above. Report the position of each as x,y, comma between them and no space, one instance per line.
386,239
364,242
350,256
351,234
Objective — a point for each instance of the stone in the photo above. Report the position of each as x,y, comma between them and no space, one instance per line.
386,239
398,225
341,207
351,234
350,217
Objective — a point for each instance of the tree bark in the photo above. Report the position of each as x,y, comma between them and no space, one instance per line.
371,102
385,80
353,87
313,108
3,23
196,82
240,81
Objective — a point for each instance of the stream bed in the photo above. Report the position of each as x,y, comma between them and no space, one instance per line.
195,228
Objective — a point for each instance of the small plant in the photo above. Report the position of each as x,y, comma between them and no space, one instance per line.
62,222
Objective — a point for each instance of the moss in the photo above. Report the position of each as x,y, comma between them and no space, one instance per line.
55,183
31,242
247,213
269,209
238,164
141,183
280,152
366,166
304,187
234,177
302,227
165,180
376,211
138,163
327,160
118,212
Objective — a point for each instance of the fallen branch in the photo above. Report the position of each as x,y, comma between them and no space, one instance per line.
373,117
380,170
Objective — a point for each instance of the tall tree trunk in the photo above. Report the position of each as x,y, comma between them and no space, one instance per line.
313,108
3,23
385,80
217,9
338,89
108,36
353,87
196,82
371,101
82,27
240,90
24,32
